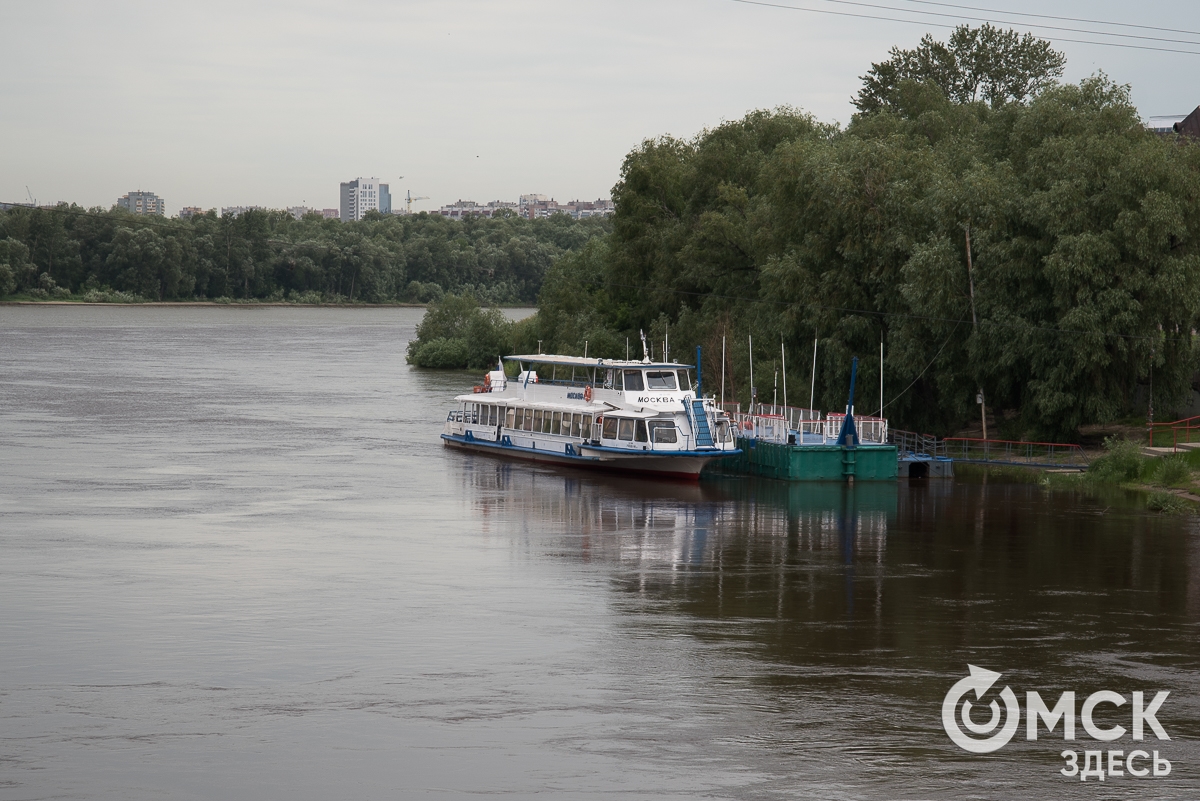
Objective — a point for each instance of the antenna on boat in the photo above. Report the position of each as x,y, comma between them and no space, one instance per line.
753,391
812,397
783,355
722,371
645,348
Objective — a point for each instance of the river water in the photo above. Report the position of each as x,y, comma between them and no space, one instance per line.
236,562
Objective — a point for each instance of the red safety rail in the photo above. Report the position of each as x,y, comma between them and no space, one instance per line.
1177,431
1007,451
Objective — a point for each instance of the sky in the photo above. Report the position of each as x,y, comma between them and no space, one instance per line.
274,103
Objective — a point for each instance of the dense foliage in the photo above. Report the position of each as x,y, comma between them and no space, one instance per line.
113,255
456,333
1084,232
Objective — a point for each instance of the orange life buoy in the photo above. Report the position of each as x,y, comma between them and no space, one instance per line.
587,394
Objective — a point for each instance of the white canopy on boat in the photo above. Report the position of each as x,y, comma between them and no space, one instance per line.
604,364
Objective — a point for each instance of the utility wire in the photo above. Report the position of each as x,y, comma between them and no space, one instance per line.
901,315
951,27
922,373
1005,22
1051,16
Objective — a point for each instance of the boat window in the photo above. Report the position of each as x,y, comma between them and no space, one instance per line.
660,380
616,381
566,424
610,428
511,417
577,425
633,381
556,426
663,432
685,380
640,435
586,427
723,434
626,431
546,418
527,424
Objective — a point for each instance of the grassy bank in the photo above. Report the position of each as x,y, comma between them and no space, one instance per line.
1171,483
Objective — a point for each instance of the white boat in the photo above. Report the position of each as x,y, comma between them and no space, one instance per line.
625,416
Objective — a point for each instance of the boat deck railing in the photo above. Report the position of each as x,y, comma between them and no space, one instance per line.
804,427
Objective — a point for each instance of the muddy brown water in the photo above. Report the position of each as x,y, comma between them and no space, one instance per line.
236,562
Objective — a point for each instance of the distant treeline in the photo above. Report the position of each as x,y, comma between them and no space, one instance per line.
99,255
995,230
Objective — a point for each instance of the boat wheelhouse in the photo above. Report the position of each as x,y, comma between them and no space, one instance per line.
628,416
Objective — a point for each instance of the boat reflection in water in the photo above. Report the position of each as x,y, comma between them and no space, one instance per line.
847,612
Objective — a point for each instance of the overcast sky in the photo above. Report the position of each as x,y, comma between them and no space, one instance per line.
273,103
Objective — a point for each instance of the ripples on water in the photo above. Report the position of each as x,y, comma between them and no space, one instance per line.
236,562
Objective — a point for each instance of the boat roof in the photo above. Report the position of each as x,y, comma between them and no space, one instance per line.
584,361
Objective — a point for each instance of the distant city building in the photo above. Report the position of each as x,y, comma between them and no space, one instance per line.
362,195
331,214
236,211
188,212
533,207
1164,125
140,202
467,208
299,211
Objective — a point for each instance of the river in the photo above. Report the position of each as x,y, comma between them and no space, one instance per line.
236,562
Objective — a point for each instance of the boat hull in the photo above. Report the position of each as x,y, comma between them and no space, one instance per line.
681,467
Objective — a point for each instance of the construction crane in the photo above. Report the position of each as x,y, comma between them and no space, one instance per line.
409,200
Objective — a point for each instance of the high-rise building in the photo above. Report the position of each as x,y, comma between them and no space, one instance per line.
362,195
188,212
140,202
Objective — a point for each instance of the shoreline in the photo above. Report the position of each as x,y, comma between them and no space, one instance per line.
206,303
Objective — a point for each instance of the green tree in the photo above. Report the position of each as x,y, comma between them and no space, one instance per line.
984,63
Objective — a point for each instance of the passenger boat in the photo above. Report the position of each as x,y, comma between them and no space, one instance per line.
627,416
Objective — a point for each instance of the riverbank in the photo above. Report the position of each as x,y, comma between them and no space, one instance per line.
1170,484
220,303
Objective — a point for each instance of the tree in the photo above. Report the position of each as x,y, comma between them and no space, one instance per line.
985,63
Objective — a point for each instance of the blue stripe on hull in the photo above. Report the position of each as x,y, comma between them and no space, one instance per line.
634,462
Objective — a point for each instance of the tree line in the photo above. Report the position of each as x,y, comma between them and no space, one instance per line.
1001,234
69,251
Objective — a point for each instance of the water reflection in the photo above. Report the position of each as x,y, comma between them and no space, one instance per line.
883,592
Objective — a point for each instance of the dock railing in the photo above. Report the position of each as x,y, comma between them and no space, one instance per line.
915,443
1175,433
1030,454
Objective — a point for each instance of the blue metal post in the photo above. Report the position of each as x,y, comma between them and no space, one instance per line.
848,436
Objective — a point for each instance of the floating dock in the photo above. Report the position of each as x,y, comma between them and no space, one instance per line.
813,462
